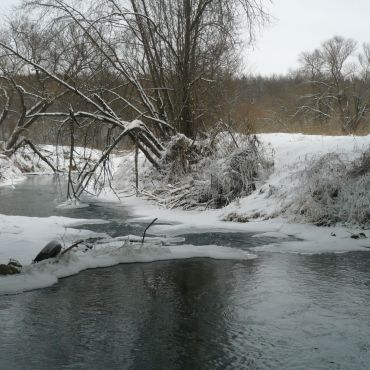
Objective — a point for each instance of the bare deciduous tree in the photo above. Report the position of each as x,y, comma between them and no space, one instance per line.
338,83
137,66
25,92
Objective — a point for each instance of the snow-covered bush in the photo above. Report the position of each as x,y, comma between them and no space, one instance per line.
9,172
333,189
210,172
236,174
362,165
183,156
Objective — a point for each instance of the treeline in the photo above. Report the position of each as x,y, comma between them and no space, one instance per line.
100,65
316,99
328,94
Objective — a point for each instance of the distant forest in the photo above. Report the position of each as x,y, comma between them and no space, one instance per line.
325,96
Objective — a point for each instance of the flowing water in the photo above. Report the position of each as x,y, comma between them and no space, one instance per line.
278,311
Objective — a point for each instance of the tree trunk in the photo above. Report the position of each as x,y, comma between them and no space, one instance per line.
186,116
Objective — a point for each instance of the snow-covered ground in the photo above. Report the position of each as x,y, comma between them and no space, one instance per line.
26,161
312,239
294,155
10,174
270,211
272,207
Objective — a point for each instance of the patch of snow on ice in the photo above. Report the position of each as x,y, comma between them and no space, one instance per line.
271,234
72,204
22,237
111,253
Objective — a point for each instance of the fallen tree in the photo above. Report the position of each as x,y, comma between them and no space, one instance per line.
208,173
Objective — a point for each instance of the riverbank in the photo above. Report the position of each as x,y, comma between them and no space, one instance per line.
308,186
106,237
284,302
320,180
311,185
10,173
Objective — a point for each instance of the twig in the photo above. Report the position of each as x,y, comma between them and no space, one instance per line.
74,245
41,156
137,165
142,240
72,147
78,242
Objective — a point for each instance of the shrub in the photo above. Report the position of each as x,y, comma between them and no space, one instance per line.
210,172
333,189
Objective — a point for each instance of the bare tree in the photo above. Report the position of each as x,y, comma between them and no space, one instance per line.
169,52
26,94
338,83
187,45
137,66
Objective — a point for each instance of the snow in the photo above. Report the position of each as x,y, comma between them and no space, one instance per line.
107,252
72,204
30,162
10,174
272,200
271,234
22,237
311,239
268,210
292,153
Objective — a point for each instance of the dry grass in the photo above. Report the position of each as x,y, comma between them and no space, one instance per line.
334,190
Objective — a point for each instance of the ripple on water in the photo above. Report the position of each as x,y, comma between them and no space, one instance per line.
278,311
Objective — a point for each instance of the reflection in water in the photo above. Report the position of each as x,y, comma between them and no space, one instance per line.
39,196
36,197
277,311
168,315
176,332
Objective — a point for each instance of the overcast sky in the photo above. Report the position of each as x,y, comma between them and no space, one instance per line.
298,25
301,25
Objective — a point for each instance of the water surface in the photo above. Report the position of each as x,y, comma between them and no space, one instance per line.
279,311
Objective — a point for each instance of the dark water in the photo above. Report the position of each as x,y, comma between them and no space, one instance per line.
279,311
39,196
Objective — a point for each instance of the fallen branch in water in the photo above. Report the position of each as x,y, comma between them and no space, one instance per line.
78,242
144,233
74,245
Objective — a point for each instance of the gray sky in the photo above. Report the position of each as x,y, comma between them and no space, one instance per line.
301,25
5,4
298,25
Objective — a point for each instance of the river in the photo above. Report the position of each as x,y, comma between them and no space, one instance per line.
278,311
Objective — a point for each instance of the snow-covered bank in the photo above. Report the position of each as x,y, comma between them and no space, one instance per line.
25,161
305,169
23,237
30,162
314,179
109,253
10,174
273,210
311,239
276,203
